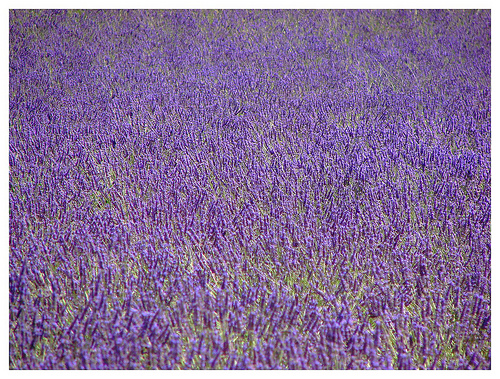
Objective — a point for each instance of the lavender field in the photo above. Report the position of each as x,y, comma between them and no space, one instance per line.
268,189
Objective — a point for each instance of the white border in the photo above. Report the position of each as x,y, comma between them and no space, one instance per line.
244,4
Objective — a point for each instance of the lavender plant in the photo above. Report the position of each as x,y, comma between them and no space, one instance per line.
250,189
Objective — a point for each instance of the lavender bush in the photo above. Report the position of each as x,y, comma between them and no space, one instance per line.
250,189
